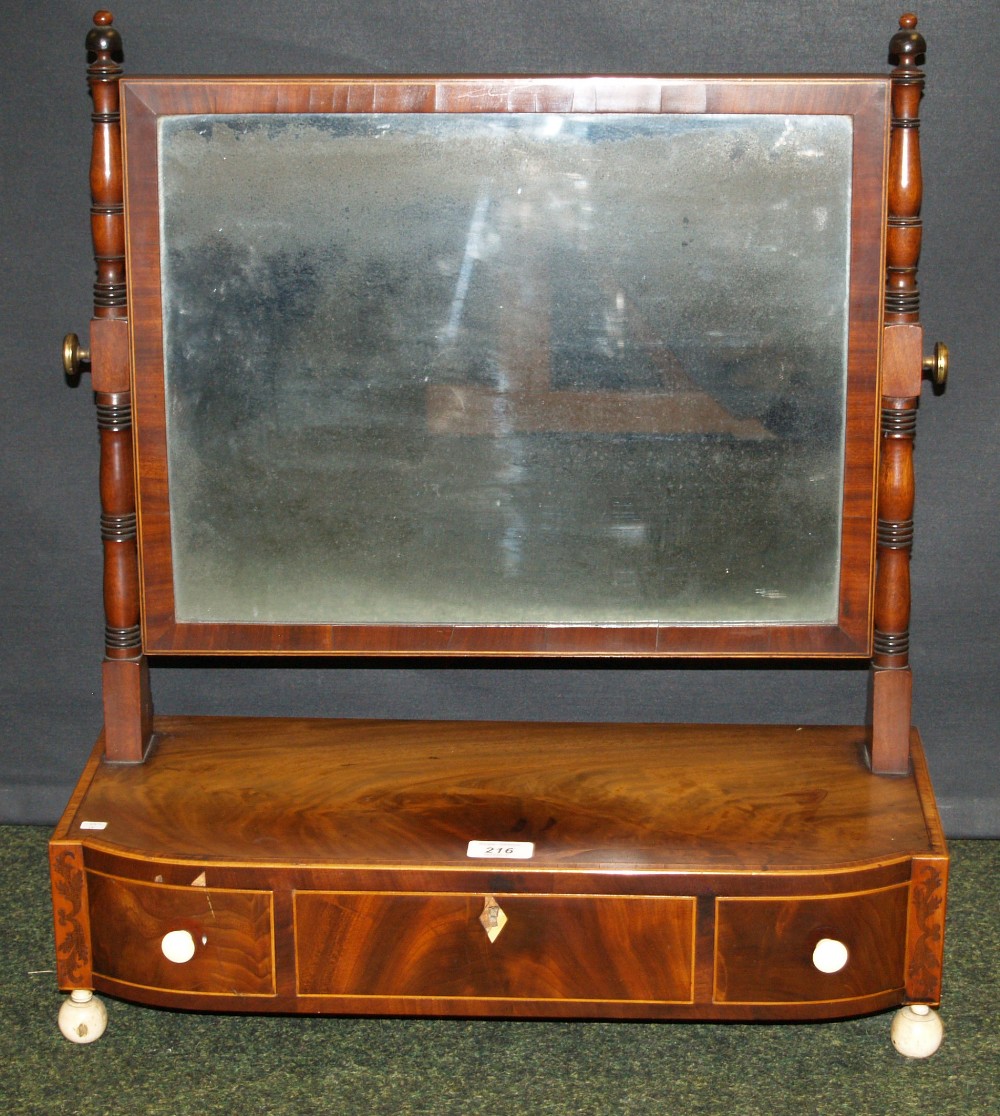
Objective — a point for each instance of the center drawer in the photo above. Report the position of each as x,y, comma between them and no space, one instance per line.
538,947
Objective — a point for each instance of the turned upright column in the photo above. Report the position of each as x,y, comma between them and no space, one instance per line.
127,705
902,367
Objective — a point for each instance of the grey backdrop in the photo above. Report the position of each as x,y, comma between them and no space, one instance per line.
52,623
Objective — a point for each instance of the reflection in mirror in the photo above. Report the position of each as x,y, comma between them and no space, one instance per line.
505,368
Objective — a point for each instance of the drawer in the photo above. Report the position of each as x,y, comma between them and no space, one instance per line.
550,947
766,948
220,940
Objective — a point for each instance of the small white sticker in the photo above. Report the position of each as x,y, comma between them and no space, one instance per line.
93,825
501,850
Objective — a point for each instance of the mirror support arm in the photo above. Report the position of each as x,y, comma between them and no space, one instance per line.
125,675
892,682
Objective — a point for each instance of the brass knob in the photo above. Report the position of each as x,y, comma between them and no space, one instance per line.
74,358
936,366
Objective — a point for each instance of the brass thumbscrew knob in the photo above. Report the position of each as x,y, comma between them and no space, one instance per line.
936,366
74,358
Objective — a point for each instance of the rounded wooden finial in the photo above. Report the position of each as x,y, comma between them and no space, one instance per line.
907,45
103,40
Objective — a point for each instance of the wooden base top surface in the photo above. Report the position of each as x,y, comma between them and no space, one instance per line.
605,797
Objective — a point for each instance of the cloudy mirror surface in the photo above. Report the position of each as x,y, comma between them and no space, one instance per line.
519,368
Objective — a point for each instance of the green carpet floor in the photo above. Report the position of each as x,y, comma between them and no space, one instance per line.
171,1063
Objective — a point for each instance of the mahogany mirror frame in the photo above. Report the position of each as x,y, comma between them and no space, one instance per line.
865,99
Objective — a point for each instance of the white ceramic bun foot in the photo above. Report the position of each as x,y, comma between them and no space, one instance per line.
83,1017
917,1031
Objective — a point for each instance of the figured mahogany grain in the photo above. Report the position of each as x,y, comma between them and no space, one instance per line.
592,797
552,947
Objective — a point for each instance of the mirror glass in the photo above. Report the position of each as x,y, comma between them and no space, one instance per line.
505,368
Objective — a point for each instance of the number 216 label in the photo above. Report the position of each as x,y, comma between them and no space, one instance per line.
501,850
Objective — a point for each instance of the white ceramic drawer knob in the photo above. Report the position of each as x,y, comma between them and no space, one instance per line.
178,946
829,956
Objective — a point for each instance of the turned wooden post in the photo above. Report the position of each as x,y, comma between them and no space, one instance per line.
127,705
902,367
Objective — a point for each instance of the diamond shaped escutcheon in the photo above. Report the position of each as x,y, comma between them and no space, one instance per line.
492,918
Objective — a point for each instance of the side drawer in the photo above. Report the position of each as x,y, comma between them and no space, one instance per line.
765,948
550,947
227,934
